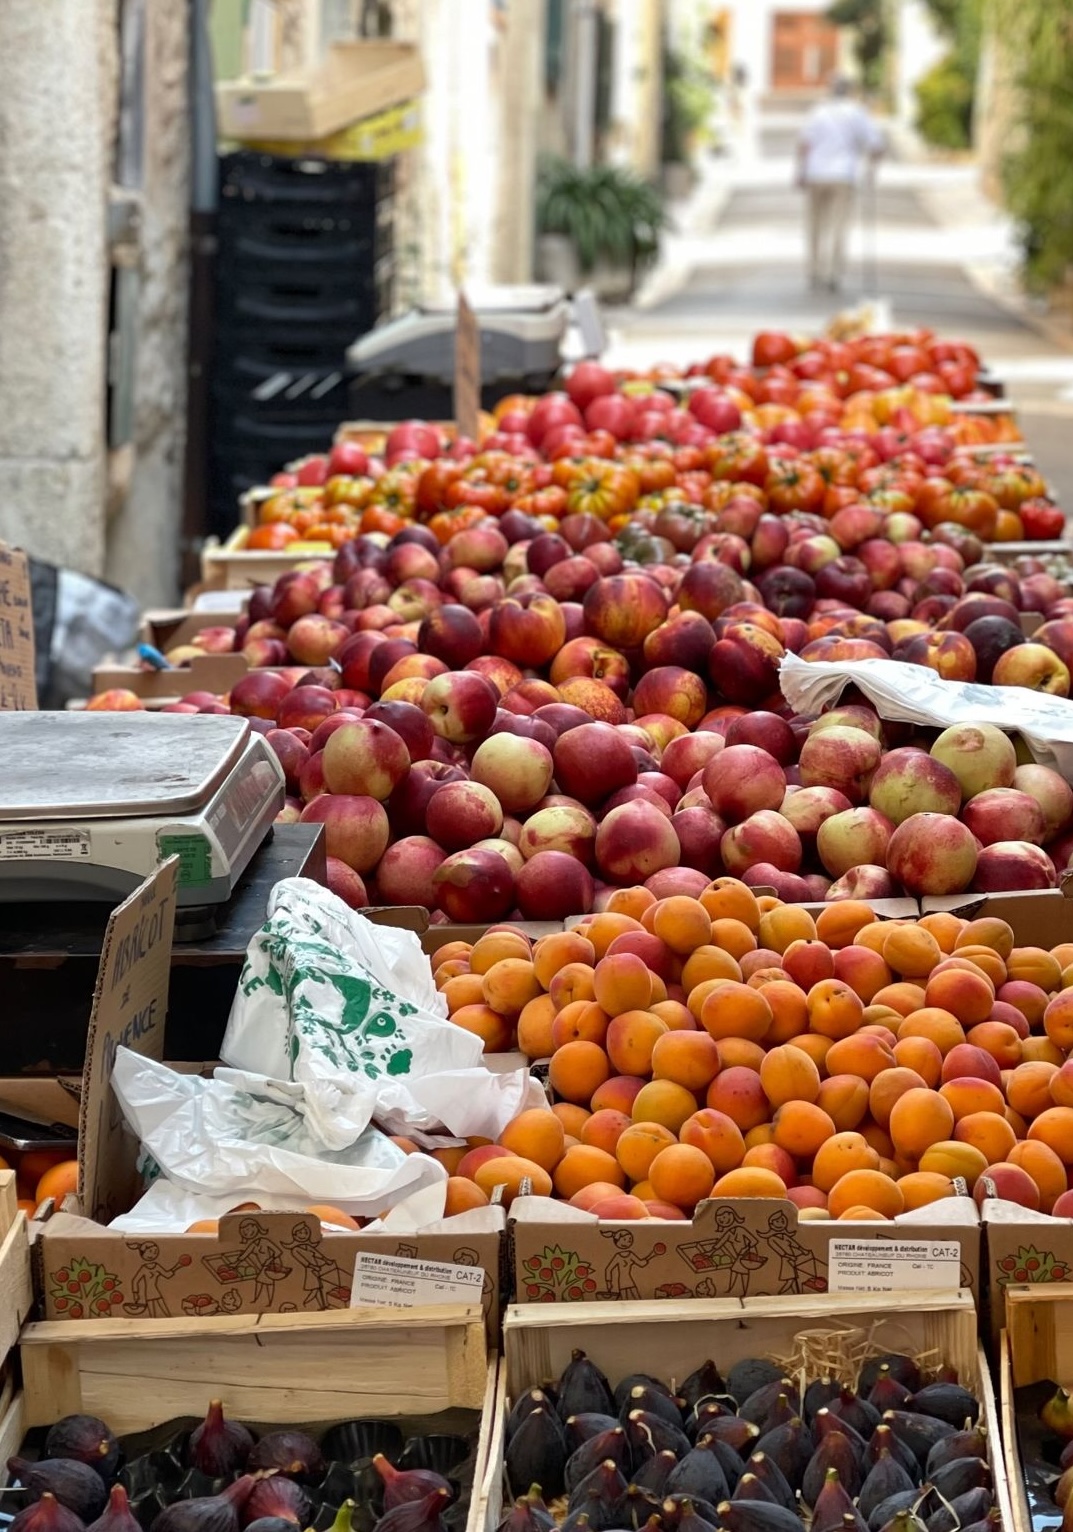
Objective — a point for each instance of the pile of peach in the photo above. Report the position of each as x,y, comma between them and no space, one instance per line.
735,1046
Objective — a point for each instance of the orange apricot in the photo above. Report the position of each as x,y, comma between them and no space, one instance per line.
862,969
749,1181
450,952
1040,1050
968,1096
1054,1127
604,1129
577,1069
1028,998
1002,1042
616,1094
573,1118
753,962
664,1102
738,1092
739,1052
511,1173
785,924
537,1135
730,899
630,901
889,1087
919,1119
939,1026
1028,1088
733,936
845,1100
921,1187
922,1055
1034,965
839,923
554,952
944,926
1060,1085
675,1016
801,1127
603,928
841,1153
535,1028
865,1188
952,1157
638,1147
717,1136
987,931
965,995
814,1045
1044,1166
789,1011
708,963
688,1058
496,947
592,1195
788,1074
463,989
622,982
682,922
620,1208
699,994
903,997
573,983
911,951
471,1161
582,1166
631,1038
735,1010
1058,1020
873,936
987,961
863,1055
989,1132
462,1196
452,970
771,1157
494,1030
582,1021
681,1174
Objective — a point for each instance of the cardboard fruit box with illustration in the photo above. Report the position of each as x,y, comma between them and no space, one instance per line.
254,1261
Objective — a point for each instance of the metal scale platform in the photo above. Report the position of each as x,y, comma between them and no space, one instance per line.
92,803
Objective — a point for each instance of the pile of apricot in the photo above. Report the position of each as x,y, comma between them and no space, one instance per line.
734,1046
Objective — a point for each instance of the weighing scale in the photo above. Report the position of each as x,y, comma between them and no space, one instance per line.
522,330
92,803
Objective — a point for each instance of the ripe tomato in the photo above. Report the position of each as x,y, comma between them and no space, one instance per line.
272,537
772,346
603,489
432,486
795,486
1041,518
740,458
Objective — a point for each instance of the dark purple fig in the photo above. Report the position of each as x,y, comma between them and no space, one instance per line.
820,1392
740,1434
960,1512
729,1460
536,1453
861,1415
773,1479
654,1402
582,1428
272,1524
959,1476
634,1380
763,1400
901,1367
832,1451
700,1474
609,1445
637,1507
74,1484
887,1393
117,1515
648,1434
680,1514
757,1516
791,1445
86,1439
946,1401
416,1515
218,1447
289,1452
704,1383
886,1477
992,1522
208,1513
749,1487
887,1509
600,1494
745,1377
525,1404
883,1438
46,1514
583,1389
654,1473
709,1409
832,1503
963,1444
780,1413
405,1484
918,1432
528,1514
826,1422
278,1497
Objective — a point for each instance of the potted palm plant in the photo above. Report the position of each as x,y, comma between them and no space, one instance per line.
599,227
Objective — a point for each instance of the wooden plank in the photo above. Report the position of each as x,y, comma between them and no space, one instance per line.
1020,1519
1039,1322
996,1437
9,1200
488,1489
267,1367
12,1425
16,1283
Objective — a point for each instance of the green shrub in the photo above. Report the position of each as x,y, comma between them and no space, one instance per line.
607,212
944,104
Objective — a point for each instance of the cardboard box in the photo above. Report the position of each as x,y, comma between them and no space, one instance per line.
207,673
258,1262
1041,917
730,1249
1020,1247
1036,1347
354,81
669,1343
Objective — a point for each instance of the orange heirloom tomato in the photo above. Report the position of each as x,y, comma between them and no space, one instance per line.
605,490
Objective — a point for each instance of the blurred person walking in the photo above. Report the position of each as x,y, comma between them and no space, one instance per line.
838,141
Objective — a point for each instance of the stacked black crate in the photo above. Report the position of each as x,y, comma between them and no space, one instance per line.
305,265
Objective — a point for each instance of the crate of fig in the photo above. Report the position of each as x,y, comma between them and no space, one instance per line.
365,1423
748,1416
1037,1412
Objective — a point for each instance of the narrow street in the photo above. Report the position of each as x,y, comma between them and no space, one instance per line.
926,249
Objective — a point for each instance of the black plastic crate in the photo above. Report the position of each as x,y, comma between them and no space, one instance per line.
344,314
302,391
247,176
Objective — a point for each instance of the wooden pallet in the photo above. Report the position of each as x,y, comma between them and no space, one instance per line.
671,1339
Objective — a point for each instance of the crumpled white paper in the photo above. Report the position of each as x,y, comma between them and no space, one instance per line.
915,694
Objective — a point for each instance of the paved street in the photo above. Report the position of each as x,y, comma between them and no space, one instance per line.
925,243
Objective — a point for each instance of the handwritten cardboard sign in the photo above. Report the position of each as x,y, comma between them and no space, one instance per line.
130,1006
467,370
18,687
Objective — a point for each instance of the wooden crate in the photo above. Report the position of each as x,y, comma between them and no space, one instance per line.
16,1302
424,1366
671,1339
1037,1343
231,566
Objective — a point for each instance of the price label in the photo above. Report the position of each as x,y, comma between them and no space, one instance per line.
18,686
400,1282
887,1266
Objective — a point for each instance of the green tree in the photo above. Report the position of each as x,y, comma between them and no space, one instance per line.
946,96
871,35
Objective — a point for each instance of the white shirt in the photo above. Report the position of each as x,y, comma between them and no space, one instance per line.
837,137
